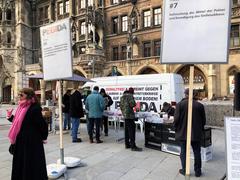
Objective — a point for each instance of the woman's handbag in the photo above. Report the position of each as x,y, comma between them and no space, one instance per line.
11,149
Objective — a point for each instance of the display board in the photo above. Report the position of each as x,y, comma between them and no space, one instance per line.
148,97
195,31
232,127
56,50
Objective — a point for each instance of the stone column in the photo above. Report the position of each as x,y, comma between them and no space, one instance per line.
166,68
64,87
211,81
43,89
18,83
71,8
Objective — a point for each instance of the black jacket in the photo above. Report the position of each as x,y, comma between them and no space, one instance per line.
76,107
66,102
29,158
107,100
181,116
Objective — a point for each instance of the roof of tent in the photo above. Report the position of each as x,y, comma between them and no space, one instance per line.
75,77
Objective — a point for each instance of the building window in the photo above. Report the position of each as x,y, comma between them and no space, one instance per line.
41,13
157,16
124,23
115,53
66,6
115,25
235,2
0,14
83,28
60,8
9,38
235,40
100,3
157,48
114,1
82,4
147,49
9,15
46,12
124,52
147,18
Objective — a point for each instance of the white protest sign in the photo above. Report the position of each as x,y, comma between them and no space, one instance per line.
56,50
148,97
232,127
195,31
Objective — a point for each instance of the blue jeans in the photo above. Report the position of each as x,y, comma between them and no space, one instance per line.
67,121
75,125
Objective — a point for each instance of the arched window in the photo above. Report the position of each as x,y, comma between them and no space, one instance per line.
9,38
8,15
231,72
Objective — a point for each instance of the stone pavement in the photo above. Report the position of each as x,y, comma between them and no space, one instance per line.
111,161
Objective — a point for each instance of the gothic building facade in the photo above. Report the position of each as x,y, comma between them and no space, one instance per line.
124,35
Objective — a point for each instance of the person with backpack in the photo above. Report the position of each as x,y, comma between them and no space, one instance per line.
107,103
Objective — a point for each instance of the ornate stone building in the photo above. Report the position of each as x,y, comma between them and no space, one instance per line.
106,34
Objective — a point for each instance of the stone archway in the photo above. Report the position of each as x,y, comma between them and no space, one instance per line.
147,70
200,80
230,79
6,90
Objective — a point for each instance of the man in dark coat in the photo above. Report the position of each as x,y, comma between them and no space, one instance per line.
107,102
76,112
66,106
180,124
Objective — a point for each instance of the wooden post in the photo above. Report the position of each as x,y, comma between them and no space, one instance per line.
60,121
189,123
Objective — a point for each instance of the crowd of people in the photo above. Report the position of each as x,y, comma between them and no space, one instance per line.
29,130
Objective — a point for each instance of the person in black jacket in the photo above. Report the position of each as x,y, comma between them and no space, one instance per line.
76,112
180,124
167,108
108,102
27,135
66,106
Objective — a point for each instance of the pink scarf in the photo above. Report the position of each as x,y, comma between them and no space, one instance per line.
21,111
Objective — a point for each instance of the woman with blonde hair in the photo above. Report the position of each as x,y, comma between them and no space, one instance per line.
27,134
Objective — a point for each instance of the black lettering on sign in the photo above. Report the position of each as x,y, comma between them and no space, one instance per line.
152,107
115,98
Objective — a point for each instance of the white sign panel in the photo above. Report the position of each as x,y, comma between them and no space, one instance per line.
232,127
148,98
56,50
195,31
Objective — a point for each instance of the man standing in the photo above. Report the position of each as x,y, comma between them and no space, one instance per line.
76,112
180,124
127,103
107,102
95,107
66,106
